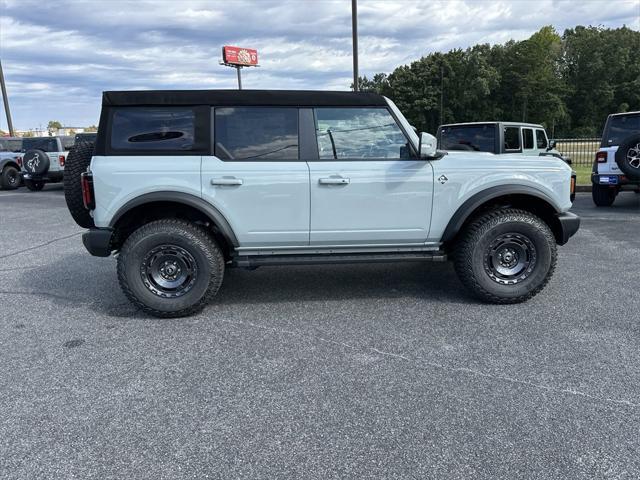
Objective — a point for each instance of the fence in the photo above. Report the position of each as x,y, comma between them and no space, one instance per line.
581,150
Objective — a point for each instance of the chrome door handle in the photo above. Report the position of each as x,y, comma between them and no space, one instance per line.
226,181
335,181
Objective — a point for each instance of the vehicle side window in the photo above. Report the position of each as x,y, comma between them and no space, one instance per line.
477,138
541,139
527,138
358,133
511,138
256,133
153,128
46,144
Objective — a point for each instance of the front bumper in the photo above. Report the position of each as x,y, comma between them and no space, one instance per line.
569,225
97,241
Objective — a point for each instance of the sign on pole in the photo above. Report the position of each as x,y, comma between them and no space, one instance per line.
238,57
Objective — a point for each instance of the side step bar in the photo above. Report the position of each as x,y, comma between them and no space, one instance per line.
255,261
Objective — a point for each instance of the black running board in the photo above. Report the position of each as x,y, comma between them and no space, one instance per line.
255,261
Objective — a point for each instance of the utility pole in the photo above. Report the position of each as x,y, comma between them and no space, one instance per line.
441,93
238,67
6,102
354,34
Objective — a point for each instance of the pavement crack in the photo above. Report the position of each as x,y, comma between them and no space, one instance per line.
417,361
35,247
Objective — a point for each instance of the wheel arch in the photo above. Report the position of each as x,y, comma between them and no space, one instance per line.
156,205
9,162
520,196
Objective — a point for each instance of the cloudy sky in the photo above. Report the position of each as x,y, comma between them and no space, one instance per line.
59,56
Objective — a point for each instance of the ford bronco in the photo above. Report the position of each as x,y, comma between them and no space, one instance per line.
182,185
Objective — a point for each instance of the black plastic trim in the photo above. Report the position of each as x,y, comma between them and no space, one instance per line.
97,241
254,261
186,199
569,225
468,207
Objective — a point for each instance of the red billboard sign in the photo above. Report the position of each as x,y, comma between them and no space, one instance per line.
239,56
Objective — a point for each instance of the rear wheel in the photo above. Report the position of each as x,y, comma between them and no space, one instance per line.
34,185
603,196
506,256
170,268
10,178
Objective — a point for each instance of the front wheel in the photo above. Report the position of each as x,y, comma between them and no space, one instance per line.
34,185
506,256
170,268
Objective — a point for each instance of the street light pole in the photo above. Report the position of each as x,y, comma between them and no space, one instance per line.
6,102
354,33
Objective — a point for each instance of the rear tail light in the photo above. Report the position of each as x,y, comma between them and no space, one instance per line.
19,160
61,160
601,157
86,180
573,184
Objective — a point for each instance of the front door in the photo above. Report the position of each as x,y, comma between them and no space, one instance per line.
256,178
367,187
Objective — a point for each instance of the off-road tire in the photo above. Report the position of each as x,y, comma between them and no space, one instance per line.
10,178
603,196
475,241
184,235
77,163
628,157
34,185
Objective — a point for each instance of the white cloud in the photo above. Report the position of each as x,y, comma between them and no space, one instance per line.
59,56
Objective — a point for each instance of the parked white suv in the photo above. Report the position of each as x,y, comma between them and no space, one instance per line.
184,184
616,167
43,160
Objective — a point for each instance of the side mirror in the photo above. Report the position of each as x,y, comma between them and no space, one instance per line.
428,147
552,145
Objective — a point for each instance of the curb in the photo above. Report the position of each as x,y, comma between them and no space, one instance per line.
583,188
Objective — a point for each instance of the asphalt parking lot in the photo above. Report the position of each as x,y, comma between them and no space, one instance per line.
368,371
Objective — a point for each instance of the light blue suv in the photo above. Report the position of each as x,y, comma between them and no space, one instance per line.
184,184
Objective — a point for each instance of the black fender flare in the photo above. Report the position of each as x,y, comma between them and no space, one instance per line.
9,161
185,199
471,204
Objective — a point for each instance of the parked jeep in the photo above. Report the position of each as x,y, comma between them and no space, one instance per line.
184,184
43,160
616,167
9,167
498,137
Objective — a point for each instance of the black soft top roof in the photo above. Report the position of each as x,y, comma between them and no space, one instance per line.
293,98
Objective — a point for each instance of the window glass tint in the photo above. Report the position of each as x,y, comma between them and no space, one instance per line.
256,133
479,138
10,144
620,128
527,138
153,128
359,133
541,139
511,138
46,144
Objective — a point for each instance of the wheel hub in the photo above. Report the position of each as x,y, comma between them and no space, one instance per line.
633,156
168,271
510,258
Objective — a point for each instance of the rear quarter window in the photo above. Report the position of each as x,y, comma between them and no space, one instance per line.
157,129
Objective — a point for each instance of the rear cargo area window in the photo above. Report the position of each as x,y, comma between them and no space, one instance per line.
153,128
256,133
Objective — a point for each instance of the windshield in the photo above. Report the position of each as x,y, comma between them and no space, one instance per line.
46,144
479,138
619,127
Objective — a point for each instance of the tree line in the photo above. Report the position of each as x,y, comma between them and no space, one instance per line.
568,83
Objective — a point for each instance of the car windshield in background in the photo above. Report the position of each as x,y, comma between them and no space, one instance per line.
10,144
46,144
620,127
479,138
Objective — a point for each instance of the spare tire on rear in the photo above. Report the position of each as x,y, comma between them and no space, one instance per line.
628,157
35,162
77,163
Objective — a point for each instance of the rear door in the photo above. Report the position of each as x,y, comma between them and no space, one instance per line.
367,187
256,177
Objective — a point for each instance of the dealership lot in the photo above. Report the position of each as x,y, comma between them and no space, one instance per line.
318,372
